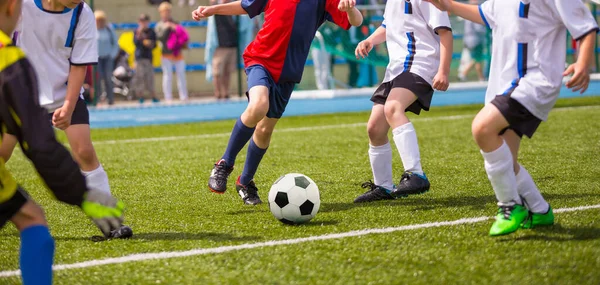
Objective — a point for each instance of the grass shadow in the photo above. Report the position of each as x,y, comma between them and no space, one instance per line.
173,236
559,233
426,203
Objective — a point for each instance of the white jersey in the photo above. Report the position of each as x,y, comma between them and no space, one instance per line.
53,41
529,48
411,35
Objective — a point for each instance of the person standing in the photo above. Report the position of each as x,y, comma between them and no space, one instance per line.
225,57
108,48
473,40
173,38
145,42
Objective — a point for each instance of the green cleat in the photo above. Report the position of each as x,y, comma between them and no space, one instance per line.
536,220
508,220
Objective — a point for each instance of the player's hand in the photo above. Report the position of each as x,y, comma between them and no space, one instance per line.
581,77
104,210
363,48
147,43
443,5
202,12
62,117
346,5
440,82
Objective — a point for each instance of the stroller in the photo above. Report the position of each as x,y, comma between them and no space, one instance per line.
122,75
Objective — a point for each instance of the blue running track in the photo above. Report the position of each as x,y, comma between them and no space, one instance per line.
199,112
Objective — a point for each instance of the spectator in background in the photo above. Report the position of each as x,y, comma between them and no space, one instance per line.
145,41
474,42
322,58
108,48
173,38
224,60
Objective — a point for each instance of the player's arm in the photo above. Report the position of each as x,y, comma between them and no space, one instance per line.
227,9
466,11
354,16
440,81
581,69
363,48
62,116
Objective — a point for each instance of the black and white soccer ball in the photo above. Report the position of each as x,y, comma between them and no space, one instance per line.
294,199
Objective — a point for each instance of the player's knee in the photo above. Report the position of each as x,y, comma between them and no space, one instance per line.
263,132
29,215
392,110
377,133
258,110
481,131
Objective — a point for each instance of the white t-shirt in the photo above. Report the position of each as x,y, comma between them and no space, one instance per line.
53,41
529,48
411,35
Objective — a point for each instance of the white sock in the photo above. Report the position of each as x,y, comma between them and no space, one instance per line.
530,193
500,171
381,164
405,138
97,179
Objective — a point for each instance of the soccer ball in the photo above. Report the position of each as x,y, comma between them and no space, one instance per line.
294,199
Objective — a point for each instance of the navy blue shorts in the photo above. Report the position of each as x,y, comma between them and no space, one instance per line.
279,93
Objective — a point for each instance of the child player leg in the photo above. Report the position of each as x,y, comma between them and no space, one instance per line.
413,180
380,156
243,130
499,165
540,212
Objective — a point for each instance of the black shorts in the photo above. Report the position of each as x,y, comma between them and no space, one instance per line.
81,115
12,206
415,83
519,118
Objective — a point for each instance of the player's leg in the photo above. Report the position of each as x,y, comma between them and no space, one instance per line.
167,83
497,155
229,64
256,150
80,140
37,246
7,146
540,212
380,156
277,101
413,180
181,80
217,71
258,104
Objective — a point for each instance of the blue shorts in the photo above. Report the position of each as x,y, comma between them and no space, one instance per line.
279,93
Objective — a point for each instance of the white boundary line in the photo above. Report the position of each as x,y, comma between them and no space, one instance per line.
223,249
287,130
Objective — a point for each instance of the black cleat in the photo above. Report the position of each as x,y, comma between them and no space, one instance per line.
217,182
123,232
376,193
411,184
248,193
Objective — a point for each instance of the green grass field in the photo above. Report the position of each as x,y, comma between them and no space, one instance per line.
170,208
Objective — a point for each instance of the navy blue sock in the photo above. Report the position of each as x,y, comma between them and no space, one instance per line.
37,255
253,158
239,137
